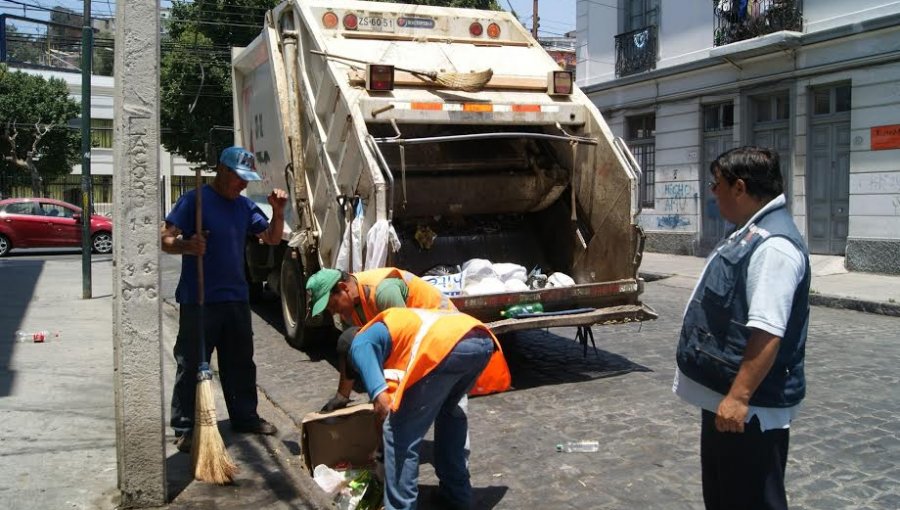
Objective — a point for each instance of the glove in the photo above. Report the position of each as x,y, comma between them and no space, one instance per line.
338,401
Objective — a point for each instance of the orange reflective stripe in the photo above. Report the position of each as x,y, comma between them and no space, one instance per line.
478,107
427,106
526,108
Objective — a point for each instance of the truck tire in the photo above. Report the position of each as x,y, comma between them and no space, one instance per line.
293,302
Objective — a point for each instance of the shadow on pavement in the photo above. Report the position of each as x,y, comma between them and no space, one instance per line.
261,482
541,358
19,279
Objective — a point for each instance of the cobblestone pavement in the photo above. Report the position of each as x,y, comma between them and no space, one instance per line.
844,445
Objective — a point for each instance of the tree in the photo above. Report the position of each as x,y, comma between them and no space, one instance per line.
35,138
195,75
21,47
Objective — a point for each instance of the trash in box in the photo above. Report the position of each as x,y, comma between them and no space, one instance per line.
340,437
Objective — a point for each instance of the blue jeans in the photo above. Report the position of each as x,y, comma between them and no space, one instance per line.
434,399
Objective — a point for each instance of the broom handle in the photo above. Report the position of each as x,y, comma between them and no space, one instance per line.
198,230
431,75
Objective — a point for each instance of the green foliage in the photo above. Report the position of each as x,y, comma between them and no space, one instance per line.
18,49
103,55
200,35
26,100
196,66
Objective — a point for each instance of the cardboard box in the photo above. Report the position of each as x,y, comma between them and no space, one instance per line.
345,435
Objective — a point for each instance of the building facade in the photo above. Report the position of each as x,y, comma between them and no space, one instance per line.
176,174
817,81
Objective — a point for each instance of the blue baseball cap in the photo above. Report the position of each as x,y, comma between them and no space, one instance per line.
241,162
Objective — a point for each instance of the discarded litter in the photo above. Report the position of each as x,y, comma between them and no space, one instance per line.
37,337
578,446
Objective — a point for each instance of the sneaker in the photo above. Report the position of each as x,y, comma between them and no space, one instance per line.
261,426
184,442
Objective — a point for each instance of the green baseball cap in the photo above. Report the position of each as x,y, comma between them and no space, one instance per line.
320,285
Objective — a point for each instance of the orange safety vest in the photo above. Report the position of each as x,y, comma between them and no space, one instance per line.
421,293
421,339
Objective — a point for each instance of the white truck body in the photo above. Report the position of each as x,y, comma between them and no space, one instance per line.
509,173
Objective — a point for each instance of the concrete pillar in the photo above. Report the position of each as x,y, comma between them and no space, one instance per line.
137,332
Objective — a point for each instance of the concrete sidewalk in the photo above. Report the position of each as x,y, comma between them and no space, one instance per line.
57,415
832,285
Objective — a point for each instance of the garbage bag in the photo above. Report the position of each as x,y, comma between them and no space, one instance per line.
379,238
558,279
350,250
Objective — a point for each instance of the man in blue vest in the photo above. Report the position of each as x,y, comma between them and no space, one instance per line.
741,351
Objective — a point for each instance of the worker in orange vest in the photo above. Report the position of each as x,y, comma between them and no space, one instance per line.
416,365
359,297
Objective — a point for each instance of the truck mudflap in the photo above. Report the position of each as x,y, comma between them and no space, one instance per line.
602,316
596,297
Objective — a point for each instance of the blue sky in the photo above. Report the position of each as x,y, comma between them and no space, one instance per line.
556,16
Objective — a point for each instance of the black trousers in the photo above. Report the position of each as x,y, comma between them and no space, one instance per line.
228,332
743,471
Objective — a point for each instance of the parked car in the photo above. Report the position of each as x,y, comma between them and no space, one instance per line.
48,223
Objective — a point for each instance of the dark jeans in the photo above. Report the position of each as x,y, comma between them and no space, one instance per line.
229,332
743,471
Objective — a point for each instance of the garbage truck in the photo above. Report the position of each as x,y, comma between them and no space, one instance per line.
450,134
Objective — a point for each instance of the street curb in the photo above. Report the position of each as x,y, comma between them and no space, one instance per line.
305,485
860,305
817,299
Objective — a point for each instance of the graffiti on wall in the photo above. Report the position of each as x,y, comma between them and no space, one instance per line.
672,221
676,200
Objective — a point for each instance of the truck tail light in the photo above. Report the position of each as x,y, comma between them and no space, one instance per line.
350,21
559,83
329,20
476,29
379,77
493,30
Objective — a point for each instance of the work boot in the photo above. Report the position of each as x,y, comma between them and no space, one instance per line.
260,426
184,442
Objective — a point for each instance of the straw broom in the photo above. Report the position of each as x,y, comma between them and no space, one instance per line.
210,461
467,82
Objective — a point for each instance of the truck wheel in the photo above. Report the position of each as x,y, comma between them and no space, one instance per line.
293,302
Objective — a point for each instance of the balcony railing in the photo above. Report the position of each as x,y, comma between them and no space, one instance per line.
636,51
737,20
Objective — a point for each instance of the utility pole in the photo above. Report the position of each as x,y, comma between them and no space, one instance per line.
87,48
137,311
535,19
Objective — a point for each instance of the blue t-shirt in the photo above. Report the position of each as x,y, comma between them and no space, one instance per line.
228,223
368,352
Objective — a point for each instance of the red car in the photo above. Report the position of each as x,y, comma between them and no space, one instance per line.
48,223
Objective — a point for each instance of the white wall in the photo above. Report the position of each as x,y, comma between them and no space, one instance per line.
824,14
596,26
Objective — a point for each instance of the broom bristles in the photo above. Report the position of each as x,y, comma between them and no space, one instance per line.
467,82
210,460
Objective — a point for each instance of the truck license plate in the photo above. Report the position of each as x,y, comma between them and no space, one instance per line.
376,23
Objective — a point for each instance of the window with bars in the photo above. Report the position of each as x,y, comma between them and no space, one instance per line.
718,117
102,133
641,136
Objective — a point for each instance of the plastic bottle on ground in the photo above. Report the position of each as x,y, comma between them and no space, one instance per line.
578,446
522,308
37,337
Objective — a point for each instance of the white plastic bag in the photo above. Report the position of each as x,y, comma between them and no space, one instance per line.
328,479
351,245
379,237
507,271
558,279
